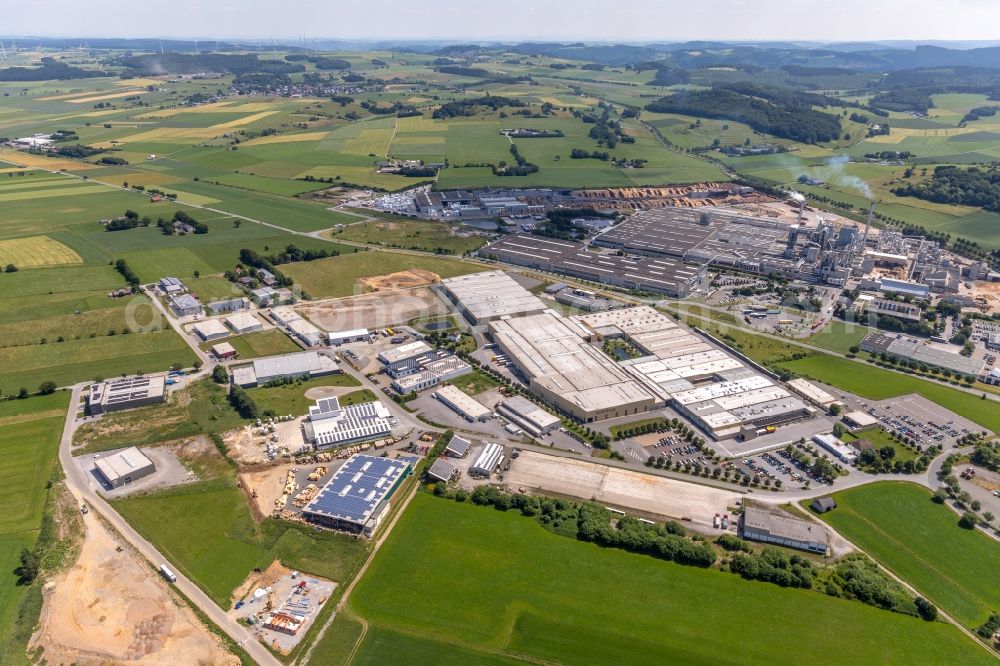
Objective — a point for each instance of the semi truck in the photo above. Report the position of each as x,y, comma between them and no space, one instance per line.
167,573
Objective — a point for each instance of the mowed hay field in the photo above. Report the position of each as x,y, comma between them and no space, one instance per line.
509,576
36,251
921,542
337,276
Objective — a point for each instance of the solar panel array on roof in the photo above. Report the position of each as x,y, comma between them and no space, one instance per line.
357,488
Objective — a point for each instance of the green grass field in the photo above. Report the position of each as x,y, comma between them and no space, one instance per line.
410,234
869,381
520,600
30,431
254,345
839,336
921,542
73,361
207,531
291,399
474,382
336,277
201,408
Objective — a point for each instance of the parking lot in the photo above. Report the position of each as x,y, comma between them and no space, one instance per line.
920,419
776,465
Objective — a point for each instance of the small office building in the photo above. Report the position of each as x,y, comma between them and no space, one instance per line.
122,468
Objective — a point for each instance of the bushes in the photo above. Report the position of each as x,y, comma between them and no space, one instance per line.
243,403
219,375
774,566
857,577
594,524
733,543
126,272
987,629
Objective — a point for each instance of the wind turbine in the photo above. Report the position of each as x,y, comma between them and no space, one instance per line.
161,45
3,53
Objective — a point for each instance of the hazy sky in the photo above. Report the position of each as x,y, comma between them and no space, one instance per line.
621,20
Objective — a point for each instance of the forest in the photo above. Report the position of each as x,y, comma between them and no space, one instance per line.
798,122
962,187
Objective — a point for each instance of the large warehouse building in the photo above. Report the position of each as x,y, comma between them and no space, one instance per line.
641,273
126,393
529,416
331,425
484,297
781,529
704,382
357,497
552,354
302,364
462,403
122,468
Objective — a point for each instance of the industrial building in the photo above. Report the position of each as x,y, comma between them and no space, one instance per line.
306,332
283,316
184,305
403,360
781,529
489,459
529,416
442,470
171,285
812,393
433,369
490,295
858,420
337,338
836,448
357,497
228,305
244,322
302,364
552,355
630,271
126,393
331,425
124,467
897,309
717,391
457,447
210,329
462,403
223,351
909,349
264,296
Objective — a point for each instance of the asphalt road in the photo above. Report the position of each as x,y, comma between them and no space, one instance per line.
83,489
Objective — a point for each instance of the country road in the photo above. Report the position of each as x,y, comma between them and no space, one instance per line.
83,488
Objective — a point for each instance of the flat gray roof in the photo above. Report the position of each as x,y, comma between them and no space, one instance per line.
491,295
783,526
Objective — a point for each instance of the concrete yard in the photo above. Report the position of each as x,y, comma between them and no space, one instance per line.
169,472
625,489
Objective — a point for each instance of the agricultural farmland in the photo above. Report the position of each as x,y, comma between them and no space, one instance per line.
922,543
532,607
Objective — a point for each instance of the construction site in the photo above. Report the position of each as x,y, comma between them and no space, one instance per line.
279,604
387,307
111,607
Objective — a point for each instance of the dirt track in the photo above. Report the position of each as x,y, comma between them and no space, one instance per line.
111,608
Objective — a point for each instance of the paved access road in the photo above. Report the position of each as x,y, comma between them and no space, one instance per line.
83,489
